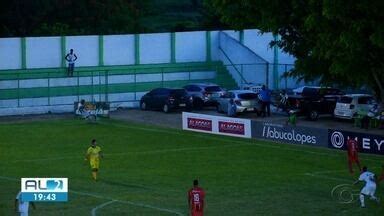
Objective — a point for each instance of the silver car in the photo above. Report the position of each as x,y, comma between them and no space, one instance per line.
204,94
245,101
349,105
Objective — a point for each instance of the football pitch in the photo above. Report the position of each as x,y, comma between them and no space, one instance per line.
148,170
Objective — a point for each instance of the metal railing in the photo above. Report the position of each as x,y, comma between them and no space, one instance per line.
52,87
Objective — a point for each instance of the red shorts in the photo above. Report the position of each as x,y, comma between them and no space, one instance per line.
196,213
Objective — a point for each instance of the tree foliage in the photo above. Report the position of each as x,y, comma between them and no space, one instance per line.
337,41
70,17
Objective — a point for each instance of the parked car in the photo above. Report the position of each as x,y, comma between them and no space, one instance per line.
245,101
166,99
298,91
314,101
253,87
204,94
348,105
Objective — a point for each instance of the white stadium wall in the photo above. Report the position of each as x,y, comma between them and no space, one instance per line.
191,46
259,43
248,51
86,49
155,48
46,52
241,61
43,52
215,54
10,53
234,34
119,50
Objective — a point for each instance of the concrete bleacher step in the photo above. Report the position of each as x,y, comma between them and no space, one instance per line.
119,79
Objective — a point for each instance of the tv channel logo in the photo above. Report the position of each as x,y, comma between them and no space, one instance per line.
44,189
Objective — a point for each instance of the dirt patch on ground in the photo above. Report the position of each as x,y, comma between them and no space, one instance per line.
174,119
171,120
32,118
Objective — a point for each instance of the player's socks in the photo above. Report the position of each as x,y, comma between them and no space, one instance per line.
375,199
362,200
94,176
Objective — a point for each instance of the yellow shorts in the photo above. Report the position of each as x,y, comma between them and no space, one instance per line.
94,163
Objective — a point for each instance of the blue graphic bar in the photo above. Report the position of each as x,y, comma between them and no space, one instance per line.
44,197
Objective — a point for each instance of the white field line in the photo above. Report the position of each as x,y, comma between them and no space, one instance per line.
195,134
328,177
110,199
222,139
329,171
277,146
93,212
140,152
320,174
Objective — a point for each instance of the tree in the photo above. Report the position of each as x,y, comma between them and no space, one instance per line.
338,42
70,17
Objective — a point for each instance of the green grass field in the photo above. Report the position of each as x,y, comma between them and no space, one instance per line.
148,170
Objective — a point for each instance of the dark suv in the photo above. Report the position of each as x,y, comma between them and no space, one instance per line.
166,99
204,94
314,101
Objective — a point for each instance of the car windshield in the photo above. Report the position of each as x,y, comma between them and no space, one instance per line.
346,100
178,92
213,89
247,96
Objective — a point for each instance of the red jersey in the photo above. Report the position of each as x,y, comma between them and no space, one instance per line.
196,197
352,148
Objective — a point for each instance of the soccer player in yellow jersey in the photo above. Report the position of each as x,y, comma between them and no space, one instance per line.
93,155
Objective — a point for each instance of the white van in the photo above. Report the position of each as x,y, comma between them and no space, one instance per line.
348,105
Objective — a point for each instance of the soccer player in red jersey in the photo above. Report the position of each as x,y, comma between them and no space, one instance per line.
381,178
352,153
196,197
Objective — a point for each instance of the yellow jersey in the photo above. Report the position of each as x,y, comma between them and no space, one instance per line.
94,153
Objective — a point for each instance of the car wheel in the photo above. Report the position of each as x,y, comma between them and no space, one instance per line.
166,108
189,108
218,108
313,115
143,106
258,113
198,103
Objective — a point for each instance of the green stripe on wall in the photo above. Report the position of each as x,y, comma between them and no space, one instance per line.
173,47
241,36
223,78
208,45
137,49
100,89
23,53
101,50
63,44
112,70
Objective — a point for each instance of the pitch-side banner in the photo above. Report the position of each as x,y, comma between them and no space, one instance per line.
367,143
217,125
290,134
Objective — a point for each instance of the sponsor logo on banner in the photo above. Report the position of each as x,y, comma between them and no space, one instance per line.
337,139
231,128
199,124
368,143
217,124
278,132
